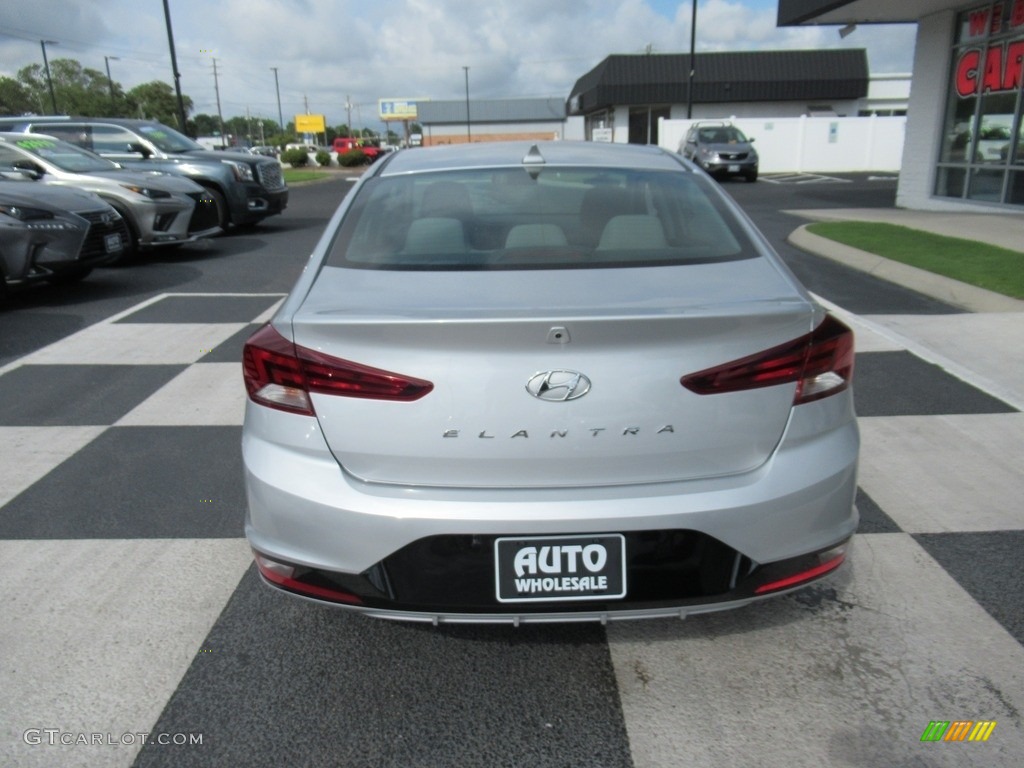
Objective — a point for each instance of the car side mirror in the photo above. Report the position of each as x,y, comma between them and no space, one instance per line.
29,169
750,139
139,149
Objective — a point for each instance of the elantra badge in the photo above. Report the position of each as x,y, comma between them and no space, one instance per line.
558,386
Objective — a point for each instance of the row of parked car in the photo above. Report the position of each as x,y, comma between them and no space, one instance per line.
76,193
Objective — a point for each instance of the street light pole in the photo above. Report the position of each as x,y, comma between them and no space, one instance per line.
174,68
277,87
49,80
469,136
693,46
110,82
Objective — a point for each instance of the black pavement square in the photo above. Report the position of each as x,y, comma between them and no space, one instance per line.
872,518
230,350
280,681
138,483
902,384
77,395
203,309
988,565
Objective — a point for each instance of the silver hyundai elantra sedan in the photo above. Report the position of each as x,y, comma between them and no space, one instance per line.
553,382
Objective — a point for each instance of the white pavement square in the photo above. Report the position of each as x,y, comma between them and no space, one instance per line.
847,674
135,344
38,450
205,394
935,474
97,635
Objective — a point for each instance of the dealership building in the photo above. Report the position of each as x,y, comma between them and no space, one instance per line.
964,146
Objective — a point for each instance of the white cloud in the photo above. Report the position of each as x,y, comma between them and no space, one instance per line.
326,50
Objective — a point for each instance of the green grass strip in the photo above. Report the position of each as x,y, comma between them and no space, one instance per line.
295,175
980,264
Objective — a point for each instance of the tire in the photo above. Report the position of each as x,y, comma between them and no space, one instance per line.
68,276
750,177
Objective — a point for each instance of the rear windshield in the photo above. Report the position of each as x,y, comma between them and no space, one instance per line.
554,218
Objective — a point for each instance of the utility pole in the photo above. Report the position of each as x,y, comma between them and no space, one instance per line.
174,68
110,82
216,88
49,80
348,111
277,87
693,46
469,136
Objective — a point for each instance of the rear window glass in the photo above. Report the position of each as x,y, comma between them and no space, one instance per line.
552,218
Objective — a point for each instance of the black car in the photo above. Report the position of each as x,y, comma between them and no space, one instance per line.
246,188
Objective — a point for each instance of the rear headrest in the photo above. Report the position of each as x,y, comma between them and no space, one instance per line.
633,233
435,235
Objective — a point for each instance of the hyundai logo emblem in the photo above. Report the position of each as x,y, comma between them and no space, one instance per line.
558,386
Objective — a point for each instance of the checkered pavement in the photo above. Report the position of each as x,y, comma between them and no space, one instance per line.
130,606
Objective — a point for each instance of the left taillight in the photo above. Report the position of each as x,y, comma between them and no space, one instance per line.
821,364
281,375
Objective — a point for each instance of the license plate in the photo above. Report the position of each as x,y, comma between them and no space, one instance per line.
112,242
560,568
734,169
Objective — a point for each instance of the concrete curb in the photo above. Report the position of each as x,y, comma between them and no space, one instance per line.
938,287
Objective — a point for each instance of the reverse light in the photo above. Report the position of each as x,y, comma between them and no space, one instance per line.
281,375
827,561
821,364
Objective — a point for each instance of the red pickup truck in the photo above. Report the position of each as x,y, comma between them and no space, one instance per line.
345,144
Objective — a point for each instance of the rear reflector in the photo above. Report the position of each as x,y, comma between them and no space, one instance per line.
284,575
820,363
281,375
829,561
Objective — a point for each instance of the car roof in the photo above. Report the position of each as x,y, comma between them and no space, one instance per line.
42,119
513,154
15,136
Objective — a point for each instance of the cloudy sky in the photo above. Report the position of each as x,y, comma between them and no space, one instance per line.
330,51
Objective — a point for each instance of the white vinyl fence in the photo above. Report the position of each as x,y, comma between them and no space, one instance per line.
813,144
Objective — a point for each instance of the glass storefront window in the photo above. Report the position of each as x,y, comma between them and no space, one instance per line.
983,133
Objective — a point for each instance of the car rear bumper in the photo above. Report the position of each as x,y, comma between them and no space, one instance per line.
305,511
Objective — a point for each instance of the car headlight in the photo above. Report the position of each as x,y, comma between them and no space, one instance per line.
242,171
150,192
35,218
23,213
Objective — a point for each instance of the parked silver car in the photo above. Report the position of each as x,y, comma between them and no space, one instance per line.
560,382
55,235
721,149
161,209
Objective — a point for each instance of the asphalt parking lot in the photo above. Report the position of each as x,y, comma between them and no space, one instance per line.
136,632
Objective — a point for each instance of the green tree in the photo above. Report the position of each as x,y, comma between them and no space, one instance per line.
203,125
156,100
77,89
15,98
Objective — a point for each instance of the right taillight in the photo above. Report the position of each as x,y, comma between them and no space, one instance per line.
821,364
281,375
